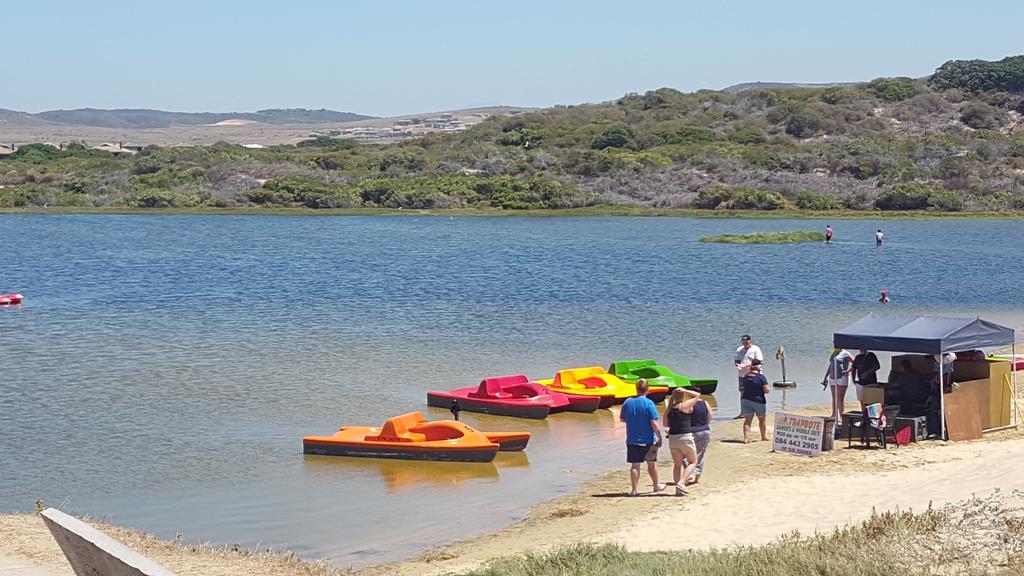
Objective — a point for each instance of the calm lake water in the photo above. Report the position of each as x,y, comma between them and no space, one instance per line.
163,369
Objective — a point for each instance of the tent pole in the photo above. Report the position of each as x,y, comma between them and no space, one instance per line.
942,399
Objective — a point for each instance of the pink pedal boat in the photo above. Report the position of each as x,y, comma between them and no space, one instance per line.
512,396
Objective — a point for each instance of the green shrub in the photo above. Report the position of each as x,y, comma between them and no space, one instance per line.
810,200
687,135
308,193
743,198
840,95
615,137
405,161
329,143
920,197
944,200
149,198
980,75
904,197
805,123
169,178
43,153
72,199
892,89
747,136
330,161
20,196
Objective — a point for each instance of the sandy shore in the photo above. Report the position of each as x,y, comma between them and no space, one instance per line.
748,495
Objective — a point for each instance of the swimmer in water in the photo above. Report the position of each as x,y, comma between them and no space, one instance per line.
884,298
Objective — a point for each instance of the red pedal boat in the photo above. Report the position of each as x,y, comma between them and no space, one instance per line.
512,396
11,299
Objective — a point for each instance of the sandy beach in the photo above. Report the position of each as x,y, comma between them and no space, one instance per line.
747,496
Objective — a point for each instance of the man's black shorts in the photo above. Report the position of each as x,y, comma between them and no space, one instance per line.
637,453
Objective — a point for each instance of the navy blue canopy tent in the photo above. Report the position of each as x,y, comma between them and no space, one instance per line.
924,335
921,334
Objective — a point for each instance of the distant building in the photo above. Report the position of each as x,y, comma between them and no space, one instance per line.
115,149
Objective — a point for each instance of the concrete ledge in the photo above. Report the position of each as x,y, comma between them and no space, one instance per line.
93,553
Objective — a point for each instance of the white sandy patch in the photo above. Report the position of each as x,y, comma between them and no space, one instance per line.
760,510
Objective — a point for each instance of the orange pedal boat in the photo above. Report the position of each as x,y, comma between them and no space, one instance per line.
411,437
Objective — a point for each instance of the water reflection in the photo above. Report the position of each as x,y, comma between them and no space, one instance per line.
512,460
401,475
710,399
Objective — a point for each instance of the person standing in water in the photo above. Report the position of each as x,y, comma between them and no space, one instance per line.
884,298
828,234
878,238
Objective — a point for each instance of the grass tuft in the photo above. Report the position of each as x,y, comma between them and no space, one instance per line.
766,238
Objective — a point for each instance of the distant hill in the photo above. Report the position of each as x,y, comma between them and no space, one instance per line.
781,85
947,142
144,118
10,116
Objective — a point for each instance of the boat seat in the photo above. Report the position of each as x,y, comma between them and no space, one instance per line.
495,387
397,429
572,378
629,366
525,390
592,382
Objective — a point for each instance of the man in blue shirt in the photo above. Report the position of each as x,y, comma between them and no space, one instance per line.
643,436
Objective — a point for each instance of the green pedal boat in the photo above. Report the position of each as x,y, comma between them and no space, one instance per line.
658,375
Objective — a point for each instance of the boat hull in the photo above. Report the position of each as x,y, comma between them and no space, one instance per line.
509,441
400,452
535,411
658,375
657,396
410,437
579,404
706,386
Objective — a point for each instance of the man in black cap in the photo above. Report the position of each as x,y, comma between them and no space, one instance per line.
745,356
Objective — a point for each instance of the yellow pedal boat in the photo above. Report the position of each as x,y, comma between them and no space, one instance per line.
596,381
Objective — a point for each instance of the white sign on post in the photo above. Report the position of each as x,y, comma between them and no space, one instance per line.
800,435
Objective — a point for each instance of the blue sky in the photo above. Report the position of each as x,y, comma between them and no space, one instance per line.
391,57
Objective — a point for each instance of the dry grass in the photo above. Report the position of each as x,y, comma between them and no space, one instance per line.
25,536
977,537
569,512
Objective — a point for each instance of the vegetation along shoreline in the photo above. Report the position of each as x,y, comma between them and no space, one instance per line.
952,142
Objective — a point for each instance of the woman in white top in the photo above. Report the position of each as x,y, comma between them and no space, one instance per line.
837,378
